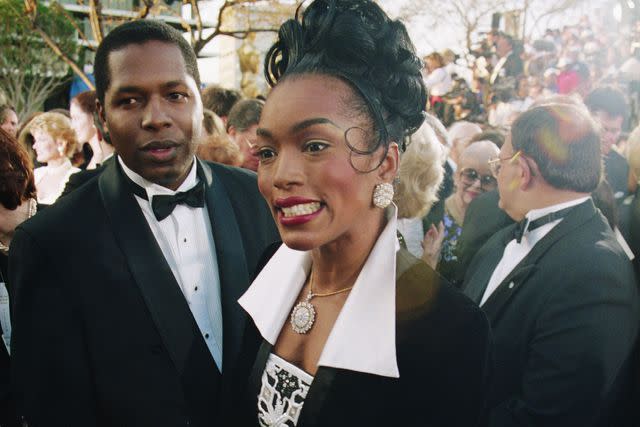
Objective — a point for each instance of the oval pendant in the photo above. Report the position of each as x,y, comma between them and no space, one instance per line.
302,317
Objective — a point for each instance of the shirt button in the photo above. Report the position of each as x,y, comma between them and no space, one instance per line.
511,285
185,240
206,336
195,289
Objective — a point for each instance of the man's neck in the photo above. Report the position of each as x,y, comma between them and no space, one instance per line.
545,199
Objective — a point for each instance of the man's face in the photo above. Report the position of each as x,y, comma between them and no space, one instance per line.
10,123
246,140
611,127
153,111
503,46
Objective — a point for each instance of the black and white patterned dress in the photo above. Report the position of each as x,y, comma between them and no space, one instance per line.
284,388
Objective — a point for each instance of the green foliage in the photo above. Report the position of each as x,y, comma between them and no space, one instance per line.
23,50
29,70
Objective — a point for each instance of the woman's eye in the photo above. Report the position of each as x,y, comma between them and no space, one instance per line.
315,146
265,154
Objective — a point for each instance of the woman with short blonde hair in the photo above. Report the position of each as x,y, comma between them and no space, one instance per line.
54,143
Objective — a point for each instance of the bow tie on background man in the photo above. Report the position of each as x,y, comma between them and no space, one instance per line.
525,225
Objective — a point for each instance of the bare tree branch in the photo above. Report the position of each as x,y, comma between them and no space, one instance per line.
75,25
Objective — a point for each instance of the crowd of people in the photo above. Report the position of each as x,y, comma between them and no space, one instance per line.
381,240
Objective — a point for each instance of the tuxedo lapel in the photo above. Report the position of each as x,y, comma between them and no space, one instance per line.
151,272
518,277
478,281
232,264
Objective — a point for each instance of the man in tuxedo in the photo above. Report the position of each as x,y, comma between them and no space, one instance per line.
557,288
509,63
124,292
609,108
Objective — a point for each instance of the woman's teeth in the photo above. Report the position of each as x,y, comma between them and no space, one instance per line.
302,209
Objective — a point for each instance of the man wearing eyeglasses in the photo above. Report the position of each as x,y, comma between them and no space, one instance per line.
557,288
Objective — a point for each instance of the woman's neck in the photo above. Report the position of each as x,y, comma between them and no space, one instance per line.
57,162
336,265
101,150
456,208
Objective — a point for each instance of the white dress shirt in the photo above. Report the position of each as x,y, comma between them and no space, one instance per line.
515,252
363,338
186,240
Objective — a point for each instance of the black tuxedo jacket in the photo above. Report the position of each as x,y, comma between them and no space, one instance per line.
102,333
79,179
482,220
443,344
564,322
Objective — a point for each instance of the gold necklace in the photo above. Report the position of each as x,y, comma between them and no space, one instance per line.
303,314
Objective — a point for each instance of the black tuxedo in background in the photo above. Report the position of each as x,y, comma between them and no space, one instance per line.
564,322
79,179
482,220
617,172
102,333
443,350
446,189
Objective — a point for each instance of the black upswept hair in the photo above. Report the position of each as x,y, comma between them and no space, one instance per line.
138,32
609,100
355,40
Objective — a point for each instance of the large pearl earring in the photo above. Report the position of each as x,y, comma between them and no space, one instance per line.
382,195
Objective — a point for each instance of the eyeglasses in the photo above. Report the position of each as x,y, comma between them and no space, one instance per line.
496,164
469,176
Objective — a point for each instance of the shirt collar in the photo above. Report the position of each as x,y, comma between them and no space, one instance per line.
363,338
153,189
534,214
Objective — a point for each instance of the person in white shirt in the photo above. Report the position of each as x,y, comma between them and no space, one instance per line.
350,329
54,143
557,287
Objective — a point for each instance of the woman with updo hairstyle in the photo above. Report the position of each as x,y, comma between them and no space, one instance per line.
345,327
54,144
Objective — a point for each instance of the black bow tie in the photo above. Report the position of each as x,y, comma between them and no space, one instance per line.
526,225
163,204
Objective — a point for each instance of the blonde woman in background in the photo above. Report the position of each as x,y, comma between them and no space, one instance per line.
419,178
54,144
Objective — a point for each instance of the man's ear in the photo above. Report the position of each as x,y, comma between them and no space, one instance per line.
100,122
388,169
528,170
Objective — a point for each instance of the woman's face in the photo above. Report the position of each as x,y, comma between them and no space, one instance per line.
82,123
306,172
45,146
473,176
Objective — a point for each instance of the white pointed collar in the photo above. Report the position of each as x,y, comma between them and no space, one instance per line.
363,337
153,189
